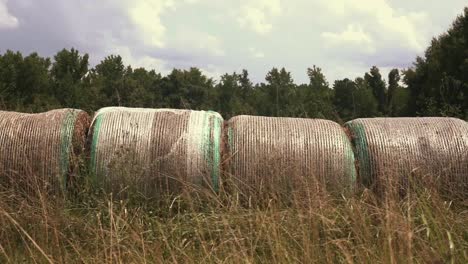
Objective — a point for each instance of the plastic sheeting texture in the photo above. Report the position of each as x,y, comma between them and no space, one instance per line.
155,150
285,153
41,150
394,148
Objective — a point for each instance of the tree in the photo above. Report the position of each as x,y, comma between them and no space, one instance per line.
68,72
317,78
188,89
229,95
366,105
142,88
344,99
70,64
280,89
317,96
393,79
438,82
10,71
398,96
377,85
399,104
235,93
108,80
34,81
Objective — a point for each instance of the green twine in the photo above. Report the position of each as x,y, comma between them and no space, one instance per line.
206,143
211,146
362,150
216,152
66,140
97,128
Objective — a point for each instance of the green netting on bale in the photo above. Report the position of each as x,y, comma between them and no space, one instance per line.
212,136
394,152
160,148
37,149
66,135
96,127
362,151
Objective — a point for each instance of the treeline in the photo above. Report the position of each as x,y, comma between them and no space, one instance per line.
437,85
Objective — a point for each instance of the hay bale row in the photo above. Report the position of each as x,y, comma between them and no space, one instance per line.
287,154
389,150
162,150
154,150
39,151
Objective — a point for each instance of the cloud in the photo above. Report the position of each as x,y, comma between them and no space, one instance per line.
7,21
146,61
194,41
376,32
183,45
256,53
256,15
344,37
146,16
383,22
354,35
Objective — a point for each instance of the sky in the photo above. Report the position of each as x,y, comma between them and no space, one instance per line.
343,37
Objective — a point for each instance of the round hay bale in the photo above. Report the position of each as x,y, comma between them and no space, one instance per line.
389,150
41,151
155,150
287,154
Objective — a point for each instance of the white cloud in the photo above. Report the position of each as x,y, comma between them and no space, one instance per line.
194,41
256,15
386,23
146,15
210,43
354,35
6,19
256,53
147,62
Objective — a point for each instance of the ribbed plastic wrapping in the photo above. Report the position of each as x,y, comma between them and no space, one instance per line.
154,150
285,153
395,148
40,151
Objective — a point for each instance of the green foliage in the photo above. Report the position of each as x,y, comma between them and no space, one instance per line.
438,82
67,74
143,88
354,99
108,76
187,89
345,92
279,90
233,94
318,95
377,85
399,104
398,96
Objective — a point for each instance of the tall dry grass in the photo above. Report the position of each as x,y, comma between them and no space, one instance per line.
199,226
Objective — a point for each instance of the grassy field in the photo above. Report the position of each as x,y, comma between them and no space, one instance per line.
202,227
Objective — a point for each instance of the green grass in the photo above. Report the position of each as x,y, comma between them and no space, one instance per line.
201,227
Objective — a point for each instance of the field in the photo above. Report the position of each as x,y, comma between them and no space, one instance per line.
202,227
